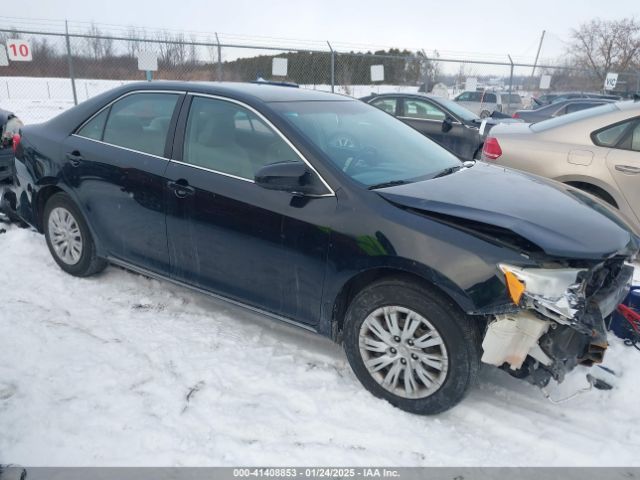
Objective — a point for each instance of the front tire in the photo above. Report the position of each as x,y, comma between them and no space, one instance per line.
411,346
68,237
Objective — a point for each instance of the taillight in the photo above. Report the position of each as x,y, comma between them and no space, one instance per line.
16,142
516,115
491,148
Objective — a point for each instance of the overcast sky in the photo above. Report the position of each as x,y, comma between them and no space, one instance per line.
481,27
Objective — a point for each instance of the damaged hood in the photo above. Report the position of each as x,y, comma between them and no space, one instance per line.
559,220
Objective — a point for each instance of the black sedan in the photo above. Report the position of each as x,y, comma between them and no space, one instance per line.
452,126
557,109
322,211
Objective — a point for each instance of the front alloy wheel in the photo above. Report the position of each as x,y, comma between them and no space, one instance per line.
411,345
403,352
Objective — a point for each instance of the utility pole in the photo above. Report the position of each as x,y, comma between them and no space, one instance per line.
535,62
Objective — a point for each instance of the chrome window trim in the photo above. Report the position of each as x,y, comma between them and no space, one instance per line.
331,193
212,171
216,97
121,147
108,105
455,122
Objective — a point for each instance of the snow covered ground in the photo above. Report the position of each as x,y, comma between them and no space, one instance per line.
119,369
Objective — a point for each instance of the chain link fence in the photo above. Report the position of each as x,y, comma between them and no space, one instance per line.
67,68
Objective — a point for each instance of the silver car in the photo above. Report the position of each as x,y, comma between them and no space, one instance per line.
484,103
596,150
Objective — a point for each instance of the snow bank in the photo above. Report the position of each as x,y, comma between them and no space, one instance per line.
119,369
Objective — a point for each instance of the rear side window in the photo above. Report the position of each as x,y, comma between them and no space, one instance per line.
386,104
610,136
141,122
93,128
230,139
625,136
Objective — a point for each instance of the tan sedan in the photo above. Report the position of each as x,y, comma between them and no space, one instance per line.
596,150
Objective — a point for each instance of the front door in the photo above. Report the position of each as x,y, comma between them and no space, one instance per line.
428,119
232,237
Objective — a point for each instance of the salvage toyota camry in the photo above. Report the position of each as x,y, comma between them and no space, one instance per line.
325,212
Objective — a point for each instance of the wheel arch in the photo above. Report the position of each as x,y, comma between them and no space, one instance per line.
363,279
595,187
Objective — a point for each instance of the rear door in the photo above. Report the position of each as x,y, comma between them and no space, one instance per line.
230,236
115,165
623,161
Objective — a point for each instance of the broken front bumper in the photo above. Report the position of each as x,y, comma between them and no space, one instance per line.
561,321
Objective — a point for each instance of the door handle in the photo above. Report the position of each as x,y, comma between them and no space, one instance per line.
627,169
181,188
75,158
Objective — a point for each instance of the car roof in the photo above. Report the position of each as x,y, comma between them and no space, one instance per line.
264,92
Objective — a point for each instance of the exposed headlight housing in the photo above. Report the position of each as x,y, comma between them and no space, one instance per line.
558,290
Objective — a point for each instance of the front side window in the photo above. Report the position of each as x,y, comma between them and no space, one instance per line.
228,138
386,104
366,144
422,110
140,122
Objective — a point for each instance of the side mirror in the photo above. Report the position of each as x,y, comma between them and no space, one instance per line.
293,177
447,124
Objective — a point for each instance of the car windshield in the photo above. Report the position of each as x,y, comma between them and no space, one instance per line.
367,144
458,110
572,117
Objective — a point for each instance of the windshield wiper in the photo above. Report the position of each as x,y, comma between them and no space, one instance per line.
391,183
447,171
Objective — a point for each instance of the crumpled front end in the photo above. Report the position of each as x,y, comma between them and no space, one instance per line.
560,317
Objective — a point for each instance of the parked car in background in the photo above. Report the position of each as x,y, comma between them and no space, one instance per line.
596,150
548,98
483,103
443,121
557,109
324,212
9,126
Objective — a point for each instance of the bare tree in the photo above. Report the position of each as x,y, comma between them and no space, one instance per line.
606,45
98,46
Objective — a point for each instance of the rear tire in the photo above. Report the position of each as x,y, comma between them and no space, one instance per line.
442,353
69,238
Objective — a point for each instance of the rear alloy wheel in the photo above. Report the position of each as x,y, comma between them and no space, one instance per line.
411,346
69,239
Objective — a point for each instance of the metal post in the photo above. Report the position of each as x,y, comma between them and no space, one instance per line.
70,60
219,58
510,85
535,62
333,67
